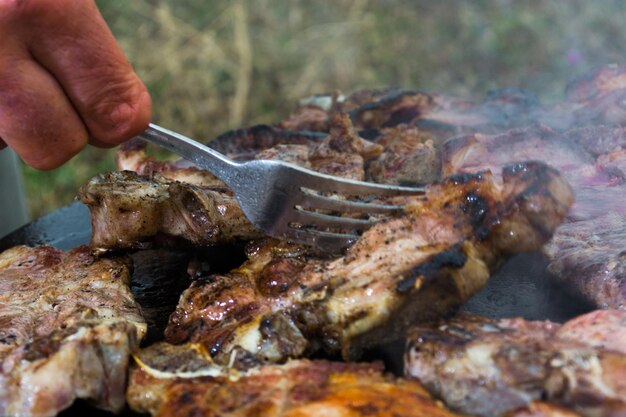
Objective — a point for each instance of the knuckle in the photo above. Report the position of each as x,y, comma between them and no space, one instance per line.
26,10
20,13
14,9
45,161
10,10
122,110
7,6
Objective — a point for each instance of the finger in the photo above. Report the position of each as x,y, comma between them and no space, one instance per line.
100,144
36,118
74,43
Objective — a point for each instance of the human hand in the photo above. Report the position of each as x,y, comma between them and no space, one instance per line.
64,82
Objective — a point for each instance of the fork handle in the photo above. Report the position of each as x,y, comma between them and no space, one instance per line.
201,155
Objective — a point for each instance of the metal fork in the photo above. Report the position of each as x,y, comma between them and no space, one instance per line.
282,199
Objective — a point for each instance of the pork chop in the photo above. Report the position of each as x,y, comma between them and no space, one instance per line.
183,381
131,211
68,324
486,367
587,252
285,302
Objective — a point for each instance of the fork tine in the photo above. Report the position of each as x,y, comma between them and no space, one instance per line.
309,218
328,183
328,241
310,200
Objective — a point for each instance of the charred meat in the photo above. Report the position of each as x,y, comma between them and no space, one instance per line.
68,324
542,409
587,252
133,211
410,156
240,145
183,381
174,203
594,98
489,368
285,302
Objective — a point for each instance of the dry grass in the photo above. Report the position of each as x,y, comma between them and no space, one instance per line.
215,65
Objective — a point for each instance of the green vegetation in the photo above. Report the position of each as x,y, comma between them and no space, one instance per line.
214,65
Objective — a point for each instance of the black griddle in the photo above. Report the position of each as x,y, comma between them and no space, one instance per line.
522,288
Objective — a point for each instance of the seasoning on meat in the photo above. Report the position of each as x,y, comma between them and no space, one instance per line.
587,252
286,302
183,381
487,368
68,324
133,211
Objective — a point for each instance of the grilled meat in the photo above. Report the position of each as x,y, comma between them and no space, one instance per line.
602,329
587,252
392,109
314,113
132,156
588,257
284,302
184,382
542,409
594,98
410,157
343,153
442,116
244,144
488,368
174,202
68,324
254,143
132,211
239,145
308,117
597,97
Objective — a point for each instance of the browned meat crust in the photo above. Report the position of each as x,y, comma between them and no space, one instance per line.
296,389
410,157
488,368
587,252
308,118
589,257
254,143
284,302
397,107
542,409
68,324
598,97
133,211
315,113
441,116
132,156
592,99
186,204
244,144
240,145
343,153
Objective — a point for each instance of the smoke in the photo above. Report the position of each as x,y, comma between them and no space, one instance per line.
191,53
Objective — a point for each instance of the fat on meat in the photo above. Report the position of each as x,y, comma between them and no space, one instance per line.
286,302
68,324
489,367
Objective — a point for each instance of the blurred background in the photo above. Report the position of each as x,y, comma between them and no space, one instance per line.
213,65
